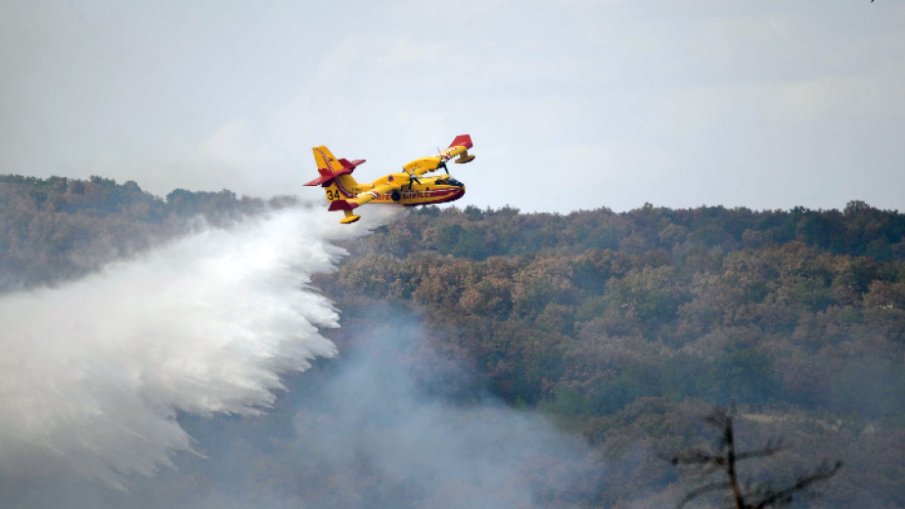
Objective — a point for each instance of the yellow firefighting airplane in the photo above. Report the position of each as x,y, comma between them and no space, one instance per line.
404,188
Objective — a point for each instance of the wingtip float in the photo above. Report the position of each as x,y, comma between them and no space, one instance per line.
408,187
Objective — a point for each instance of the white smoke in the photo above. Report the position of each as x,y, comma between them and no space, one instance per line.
93,373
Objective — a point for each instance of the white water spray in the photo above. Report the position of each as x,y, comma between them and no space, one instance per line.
92,373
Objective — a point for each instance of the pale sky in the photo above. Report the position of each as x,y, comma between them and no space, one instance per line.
572,104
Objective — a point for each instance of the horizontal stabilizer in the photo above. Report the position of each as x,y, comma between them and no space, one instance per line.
350,165
342,205
327,176
324,179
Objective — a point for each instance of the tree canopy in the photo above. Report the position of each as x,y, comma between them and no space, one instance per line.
621,327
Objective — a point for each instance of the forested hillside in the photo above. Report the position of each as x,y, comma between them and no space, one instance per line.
620,327
58,228
587,312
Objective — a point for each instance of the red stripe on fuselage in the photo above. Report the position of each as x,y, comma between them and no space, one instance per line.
343,189
435,196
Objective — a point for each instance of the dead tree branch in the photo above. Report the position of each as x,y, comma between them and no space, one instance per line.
725,458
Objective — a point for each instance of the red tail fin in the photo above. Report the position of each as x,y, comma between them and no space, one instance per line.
462,140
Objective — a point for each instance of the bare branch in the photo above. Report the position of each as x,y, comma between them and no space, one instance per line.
785,495
698,457
707,488
760,453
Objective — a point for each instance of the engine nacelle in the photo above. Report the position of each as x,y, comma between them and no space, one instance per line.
464,157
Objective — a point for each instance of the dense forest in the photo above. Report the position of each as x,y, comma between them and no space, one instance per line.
617,324
622,328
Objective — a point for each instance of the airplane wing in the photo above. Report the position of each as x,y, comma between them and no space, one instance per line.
459,147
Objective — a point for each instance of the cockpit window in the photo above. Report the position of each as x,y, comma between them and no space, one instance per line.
448,181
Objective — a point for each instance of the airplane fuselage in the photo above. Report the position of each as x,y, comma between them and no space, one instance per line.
424,191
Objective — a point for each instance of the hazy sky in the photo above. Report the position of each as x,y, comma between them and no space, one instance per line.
571,104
